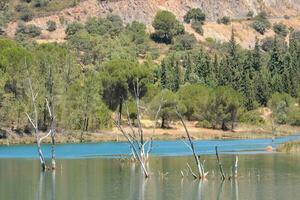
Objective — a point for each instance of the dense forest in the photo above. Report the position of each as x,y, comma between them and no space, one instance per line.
91,77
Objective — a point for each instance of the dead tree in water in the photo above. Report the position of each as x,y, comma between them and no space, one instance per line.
220,164
201,172
135,138
53,132
34,123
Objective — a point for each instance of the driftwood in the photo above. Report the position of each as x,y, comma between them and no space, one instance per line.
201,173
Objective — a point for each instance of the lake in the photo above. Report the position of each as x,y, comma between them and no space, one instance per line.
96,171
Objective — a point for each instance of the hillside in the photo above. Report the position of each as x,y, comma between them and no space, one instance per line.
144,11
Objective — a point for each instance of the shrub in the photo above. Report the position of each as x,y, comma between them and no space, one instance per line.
26,14
194,14
261,23
259,26
197,26
293,117
204,124
40,3
184,42
252,117
24,31
73,28
280,29
224,20
268,43
51,25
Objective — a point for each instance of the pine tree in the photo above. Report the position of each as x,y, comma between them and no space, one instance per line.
256,56
163,75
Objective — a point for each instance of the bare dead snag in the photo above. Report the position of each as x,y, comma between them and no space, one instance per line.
34,123
220,164
201,173
135,137
53,132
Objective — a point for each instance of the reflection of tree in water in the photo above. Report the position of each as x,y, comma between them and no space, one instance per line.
41,187
138,183
220,190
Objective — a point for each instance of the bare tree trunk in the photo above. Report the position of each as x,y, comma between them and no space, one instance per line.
53,131
201,173
220,164
35,126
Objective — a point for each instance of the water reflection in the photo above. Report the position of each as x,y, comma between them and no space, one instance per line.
44,189
260,177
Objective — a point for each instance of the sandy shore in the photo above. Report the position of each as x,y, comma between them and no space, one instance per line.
174,133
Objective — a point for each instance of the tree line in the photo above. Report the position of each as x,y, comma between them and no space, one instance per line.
92,76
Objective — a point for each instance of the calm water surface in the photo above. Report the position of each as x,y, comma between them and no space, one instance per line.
92,171
261,176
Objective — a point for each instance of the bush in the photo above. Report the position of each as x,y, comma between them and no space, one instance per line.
224,20
252,117
51,25
293,117
194,14
204,124
268,43
197,26
280,29
40,3
27,31
261,23
259,26
73,28
184,42
26,14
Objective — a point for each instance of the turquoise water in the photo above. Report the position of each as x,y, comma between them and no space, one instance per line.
160,148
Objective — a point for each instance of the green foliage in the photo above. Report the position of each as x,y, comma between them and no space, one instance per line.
40,3
168,102
23,31
223,107
112,25
293,117
195,98
280,29
184,42
280,103
51,25
252,117
194,14
261,23
224,20
26,14
166,27
73,28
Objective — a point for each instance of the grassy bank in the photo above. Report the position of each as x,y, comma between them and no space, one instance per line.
243,131
289,147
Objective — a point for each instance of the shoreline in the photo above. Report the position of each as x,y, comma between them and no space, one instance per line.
241,132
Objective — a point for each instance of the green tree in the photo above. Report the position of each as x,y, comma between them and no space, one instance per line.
223,106
194,14
166,27
167,101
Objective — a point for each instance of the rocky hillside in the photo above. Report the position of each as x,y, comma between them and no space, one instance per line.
144,10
